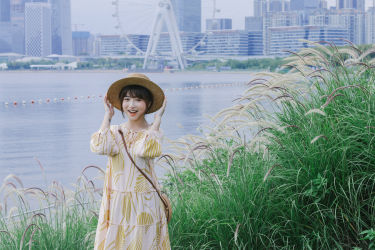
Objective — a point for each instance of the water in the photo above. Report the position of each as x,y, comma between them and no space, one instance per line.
58,134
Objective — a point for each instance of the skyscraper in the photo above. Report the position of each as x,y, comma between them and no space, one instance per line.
61,27
188,15
370,26
5,27
38,29
17,14
260,8
351,4
4,10
306,4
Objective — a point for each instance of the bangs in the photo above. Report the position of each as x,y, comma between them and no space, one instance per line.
135,93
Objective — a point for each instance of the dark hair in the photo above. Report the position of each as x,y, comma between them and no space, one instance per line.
136,91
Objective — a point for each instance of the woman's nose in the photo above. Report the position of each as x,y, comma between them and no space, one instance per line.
131,103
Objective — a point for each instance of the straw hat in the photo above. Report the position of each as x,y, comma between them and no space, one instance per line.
140,80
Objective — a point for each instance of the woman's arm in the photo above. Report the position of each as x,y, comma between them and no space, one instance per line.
157,118
103,141
109,113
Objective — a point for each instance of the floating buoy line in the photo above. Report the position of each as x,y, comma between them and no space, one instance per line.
99,97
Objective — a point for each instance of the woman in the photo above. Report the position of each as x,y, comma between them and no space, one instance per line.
131,213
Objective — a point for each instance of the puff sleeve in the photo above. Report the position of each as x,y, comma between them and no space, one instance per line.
150,145
103,142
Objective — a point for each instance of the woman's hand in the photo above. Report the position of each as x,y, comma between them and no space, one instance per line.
160,113
109,110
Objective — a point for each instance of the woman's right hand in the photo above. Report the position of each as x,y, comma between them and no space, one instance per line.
109,110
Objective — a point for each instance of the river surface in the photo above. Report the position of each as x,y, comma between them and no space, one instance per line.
57,133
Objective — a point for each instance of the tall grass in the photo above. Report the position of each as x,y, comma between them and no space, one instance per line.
290,166
304,178
54,218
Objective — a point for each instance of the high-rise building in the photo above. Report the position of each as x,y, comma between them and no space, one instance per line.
5,37
255,43
112,45
219,24
228,43
284,39
307,4
254,23
38,34
351,4
351,19
82,43
277,5
5,27
17,16
279,19
260,8
189,40
4,10
188,15
61,27
370,26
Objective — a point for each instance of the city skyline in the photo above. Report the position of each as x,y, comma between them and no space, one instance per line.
88,20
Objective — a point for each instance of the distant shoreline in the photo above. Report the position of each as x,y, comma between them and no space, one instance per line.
122,71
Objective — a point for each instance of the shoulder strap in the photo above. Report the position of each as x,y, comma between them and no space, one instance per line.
140,170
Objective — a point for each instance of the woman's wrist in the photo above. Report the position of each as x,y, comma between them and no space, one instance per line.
108,116
156,123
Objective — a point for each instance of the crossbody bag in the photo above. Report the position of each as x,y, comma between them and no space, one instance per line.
163,197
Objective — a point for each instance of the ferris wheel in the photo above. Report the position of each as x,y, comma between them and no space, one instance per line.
143,23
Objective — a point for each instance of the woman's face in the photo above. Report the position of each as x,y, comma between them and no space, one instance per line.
134,107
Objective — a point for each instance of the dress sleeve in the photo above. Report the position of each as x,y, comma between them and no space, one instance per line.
103,142
150,145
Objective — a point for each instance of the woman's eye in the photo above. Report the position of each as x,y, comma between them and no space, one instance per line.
138,100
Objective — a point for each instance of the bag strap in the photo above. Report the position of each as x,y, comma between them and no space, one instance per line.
140,170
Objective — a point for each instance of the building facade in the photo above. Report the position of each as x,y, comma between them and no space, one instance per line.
5,27
82,43
112,45
17,14
38,33
218,24
351,19
227,43
307,4
253,23
255,43
284,39
351,4
279,19
188,15
61,27
4,10
370,26
189,41
259,8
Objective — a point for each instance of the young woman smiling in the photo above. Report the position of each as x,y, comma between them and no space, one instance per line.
132,214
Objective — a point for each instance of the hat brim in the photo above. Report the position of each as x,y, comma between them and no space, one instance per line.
157,93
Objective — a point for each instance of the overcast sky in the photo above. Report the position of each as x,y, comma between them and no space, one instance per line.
96,15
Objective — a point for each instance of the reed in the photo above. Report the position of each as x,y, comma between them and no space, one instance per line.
53,218
303,172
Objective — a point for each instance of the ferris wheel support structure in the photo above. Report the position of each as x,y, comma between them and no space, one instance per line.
165,14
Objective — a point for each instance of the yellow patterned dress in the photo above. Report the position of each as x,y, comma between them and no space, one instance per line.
131,214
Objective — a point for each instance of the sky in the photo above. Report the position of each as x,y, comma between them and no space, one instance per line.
96,15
